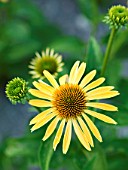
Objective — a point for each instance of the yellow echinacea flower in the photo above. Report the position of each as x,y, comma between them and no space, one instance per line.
48,60
68,104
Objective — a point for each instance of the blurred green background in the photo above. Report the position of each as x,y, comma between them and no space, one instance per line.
73,28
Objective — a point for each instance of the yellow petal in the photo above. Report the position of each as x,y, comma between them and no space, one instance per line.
32,72
92,127
73,72
59,58
38,55
106,95
43,121
51,128
101,116
102,106
51,52
36,76
86,131
81,136
40,94
40,103
87,78
50,79
32,67
43,87
80,72
67,136
62,80
58,134
47,51
40,116
94,84
99,90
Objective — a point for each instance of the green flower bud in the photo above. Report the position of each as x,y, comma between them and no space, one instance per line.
17,90
117,16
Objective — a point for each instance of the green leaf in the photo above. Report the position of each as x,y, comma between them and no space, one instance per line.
93,55
89,8
117,154
21,51
100,161
69,45
45,153
113,72
90,164
121,102
120,45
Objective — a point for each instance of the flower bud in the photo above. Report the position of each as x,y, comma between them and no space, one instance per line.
17,90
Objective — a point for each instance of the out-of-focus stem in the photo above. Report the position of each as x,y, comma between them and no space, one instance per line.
108,50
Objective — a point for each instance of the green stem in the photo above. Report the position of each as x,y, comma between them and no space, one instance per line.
108,50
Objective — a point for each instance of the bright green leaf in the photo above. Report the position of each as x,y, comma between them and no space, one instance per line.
93,55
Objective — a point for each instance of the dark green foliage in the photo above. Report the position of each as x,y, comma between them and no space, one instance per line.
23,31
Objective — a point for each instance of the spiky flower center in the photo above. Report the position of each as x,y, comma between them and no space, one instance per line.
46,63
69,101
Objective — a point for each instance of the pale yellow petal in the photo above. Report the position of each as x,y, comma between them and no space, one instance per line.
51,128
80,72
94,84
40,94
101,116
38,55
31,66
42,122
81,136
43,54
62,80
67,136
47,51
58,134
99,90
73,72
51,52
59,58
32,72
102,106
56,55
86,131
43,87
106,95
92,127
51,79
40,103
40,116
87,78
36,76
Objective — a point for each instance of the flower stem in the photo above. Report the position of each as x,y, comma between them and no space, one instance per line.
108,50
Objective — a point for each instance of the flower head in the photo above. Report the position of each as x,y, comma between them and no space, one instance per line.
69,105
48,61
117,16
17,90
